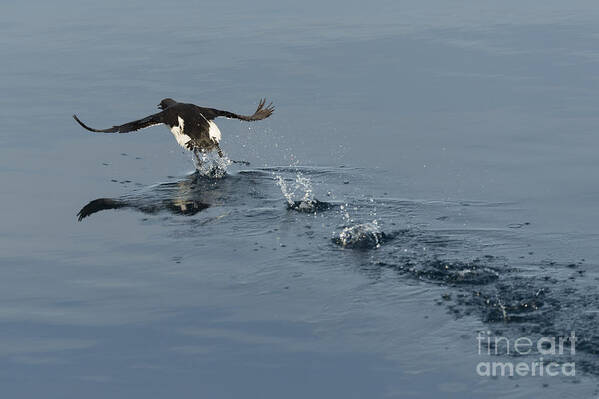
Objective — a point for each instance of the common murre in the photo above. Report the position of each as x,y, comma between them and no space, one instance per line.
193,126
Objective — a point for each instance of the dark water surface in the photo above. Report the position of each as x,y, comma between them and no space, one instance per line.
430,172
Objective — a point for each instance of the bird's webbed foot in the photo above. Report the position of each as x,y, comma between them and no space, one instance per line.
198,159
240,162
221,155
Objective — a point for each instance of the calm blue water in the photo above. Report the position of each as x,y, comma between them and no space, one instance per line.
464,136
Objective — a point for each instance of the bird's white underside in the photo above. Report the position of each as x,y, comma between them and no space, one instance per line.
177,131
182,138
214,131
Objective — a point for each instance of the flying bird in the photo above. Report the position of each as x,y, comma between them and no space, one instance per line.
193,126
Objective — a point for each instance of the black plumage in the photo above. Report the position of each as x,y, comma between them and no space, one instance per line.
192,125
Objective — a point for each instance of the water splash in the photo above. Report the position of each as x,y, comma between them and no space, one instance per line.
287,193
344,209
212,166
360,236
301,187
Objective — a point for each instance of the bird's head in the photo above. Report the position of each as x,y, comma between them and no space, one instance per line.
167,102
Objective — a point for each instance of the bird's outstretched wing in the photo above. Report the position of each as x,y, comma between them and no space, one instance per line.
262,112
99,204
148,121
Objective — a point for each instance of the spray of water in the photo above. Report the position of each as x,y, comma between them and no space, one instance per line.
364,236
358,235
212,166
300,188
299,195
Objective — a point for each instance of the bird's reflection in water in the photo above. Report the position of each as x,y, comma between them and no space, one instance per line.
188,196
